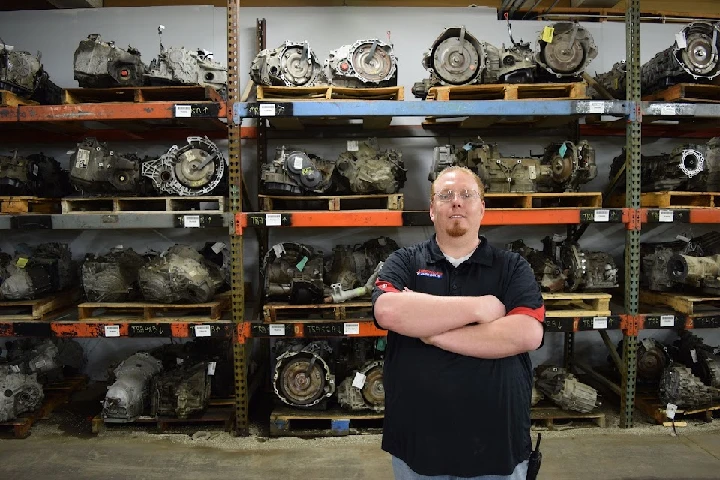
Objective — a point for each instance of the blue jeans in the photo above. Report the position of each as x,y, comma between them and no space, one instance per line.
403,472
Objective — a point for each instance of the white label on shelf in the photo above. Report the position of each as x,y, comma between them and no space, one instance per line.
353,146
668,109
359,380
217,247
351,329
667,320
267,109
693,354
680,40
273,220
666,216
211,368
596,107
277,329
83,156
599,323
202,330
191,221
183,111
602,215
670,410
112,330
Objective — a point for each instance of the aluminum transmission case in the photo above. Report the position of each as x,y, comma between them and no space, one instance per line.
588,271
94,168
680,387
563,167
128,397
293,272
301,374
112,277
365,63
100,64
292,64
22,73
180,66
364,390
36,175
39,270
549,274
569,52
701,273
20,393
565,390
182,391
369,170
296,172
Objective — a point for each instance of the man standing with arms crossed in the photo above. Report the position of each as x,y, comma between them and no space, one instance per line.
461,316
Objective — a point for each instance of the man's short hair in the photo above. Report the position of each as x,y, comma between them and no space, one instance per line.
457,168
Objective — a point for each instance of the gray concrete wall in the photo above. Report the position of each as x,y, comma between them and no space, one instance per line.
411,30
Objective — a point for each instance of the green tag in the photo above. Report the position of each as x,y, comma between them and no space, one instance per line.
21,262
301,264
563,150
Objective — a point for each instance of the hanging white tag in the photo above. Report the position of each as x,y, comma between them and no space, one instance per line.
680,40
353,146
359,380
693,355
670,410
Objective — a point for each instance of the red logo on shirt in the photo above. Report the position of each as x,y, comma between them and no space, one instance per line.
429,273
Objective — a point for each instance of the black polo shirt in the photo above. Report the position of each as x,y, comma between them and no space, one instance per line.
449,414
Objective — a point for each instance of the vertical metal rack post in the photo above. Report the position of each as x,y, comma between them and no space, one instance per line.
632,187
236,242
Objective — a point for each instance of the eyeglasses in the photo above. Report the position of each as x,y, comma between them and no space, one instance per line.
449,195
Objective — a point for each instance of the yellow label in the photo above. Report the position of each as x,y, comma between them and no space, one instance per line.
21,262
547,34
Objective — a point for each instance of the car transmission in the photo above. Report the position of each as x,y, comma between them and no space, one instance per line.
563,167
182,391
364,390
180,275
100,64
292,64
588,271
680,387
686,168
570,49
35,175
652,360
179,66
365,63
296,172
293,272
128,397
701,273
369,170
94,168
565,390
702,359
22,74
301,374
352,266
21,393
47,358
548,273
613,81
36,271
112,277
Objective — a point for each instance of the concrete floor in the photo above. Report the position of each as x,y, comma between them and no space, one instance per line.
590,454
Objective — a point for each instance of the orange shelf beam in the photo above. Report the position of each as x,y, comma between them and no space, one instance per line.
104,111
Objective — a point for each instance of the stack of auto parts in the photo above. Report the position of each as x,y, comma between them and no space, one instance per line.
21,393
301,375
197,168
702,359
680,387
565,390
458,58
182,391
292,64
36,271
23,74
36,175
180,275
563,167
550,275
112,277
365,63
127,398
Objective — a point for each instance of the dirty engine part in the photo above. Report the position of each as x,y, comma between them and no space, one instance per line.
292,64
365,63
302,375
100,64
294,272
128,397
23,74
181,391
680,387
36,271
20,393
33,175
364,390
565,390
296,172
112,277
570,49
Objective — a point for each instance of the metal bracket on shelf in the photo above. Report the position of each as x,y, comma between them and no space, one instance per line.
630,325
634,218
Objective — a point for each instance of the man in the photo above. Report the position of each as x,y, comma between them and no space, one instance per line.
461,316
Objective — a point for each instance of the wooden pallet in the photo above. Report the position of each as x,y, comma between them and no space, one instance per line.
295,94
394,201
680,302
29,205
216,414
339,312
184,205
687,92
649,403
142,311
39,309
577,304
56,394
550,416
286,422
10,99
543,200
510,91
671,200
182,93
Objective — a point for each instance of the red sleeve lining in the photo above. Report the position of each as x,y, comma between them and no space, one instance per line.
537,313
386,286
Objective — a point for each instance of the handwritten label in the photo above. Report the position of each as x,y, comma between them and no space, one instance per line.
602,215
667,320
202,330
112,330
666,215
351,329
600,323
267,109
273,219
277,329
183,111
191,221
